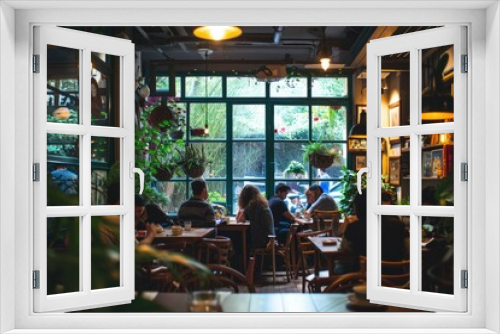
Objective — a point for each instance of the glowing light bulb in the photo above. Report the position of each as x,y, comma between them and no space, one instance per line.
325,63
217,32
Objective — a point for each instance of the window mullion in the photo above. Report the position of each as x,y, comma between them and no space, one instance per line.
229,156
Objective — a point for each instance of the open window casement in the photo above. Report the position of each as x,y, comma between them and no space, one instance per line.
83,146
417,137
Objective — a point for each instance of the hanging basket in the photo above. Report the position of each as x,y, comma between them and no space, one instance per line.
321,161
194,172
163,174
160,114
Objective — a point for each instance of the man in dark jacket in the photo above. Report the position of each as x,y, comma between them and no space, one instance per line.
197,209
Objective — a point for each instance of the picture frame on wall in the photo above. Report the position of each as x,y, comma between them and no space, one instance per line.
395,171
394,119
427,164
359,109
360,162
437,163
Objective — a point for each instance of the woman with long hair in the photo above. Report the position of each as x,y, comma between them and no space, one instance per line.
253,207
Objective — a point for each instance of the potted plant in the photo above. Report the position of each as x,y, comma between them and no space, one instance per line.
295,168
193,161
319,155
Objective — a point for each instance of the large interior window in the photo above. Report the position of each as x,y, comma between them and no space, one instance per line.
257,129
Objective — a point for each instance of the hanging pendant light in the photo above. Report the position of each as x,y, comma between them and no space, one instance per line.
217,33
325,53
206,132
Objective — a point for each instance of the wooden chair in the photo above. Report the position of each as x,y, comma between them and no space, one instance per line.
306,251
157,275
221,278
269,250
215,250
327,220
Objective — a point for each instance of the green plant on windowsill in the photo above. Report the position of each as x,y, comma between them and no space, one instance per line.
319,155
295,168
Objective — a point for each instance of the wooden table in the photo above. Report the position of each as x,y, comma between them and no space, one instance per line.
190,237
327,251
241,228
268,302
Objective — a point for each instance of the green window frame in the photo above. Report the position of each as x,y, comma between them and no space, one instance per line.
269,179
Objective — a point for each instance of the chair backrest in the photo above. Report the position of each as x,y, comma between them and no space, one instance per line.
327,220
306,248
221,278
215,250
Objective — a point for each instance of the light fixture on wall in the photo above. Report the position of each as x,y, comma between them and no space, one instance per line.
217,33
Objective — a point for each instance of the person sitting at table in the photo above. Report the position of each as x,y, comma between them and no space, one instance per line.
255,208
197,209
395,237
318,200
281,216
149,214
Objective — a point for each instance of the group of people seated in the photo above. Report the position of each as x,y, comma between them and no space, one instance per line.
273,217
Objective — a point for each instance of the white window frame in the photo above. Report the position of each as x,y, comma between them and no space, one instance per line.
414,43
482,316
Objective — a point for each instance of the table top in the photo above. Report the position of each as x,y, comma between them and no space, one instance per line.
195,233
323,244
304,221
271,302
232,225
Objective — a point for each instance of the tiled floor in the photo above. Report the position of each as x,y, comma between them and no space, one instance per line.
264,284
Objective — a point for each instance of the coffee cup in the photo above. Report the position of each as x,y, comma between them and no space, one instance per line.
176,230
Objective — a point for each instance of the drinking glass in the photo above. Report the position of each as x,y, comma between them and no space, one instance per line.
187,225
205,301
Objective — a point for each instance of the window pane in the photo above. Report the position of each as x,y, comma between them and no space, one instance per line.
289,87
204,86
178,87
395,249
437,85
329,123
249,121
238,185
249,159
63,85
215,153
217,192
395,92
162,83
63,255
216,118
105,254
333,172
288,160
437,169
176,192
329,87
291,122
63,166
437,254
105,90
395,167
245,87
105,171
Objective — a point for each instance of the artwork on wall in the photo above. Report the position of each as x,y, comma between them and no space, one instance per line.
395,171
360,162
394,115
437,163
426,164
359,109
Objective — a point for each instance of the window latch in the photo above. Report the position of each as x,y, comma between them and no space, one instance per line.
464,279
139,171
368,171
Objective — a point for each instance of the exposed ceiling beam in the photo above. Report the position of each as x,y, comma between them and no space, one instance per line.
147,38
380,32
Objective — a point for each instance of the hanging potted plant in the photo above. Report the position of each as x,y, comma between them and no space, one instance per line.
193,161
320,156
295,168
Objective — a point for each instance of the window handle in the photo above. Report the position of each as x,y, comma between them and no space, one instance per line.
139,171
366,170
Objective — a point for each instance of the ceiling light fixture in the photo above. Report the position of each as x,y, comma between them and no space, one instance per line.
325,53
217,33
